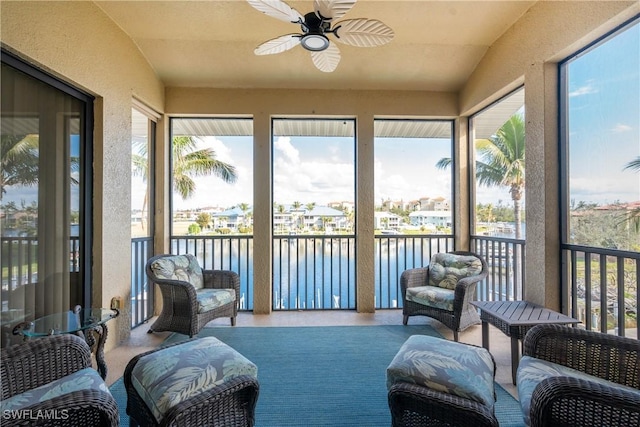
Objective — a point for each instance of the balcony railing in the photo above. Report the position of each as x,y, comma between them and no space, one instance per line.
397,253
505,258
314,272
318,272
601,288
233,253
142,295
19,262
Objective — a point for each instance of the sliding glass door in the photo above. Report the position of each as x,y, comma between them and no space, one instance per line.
45,195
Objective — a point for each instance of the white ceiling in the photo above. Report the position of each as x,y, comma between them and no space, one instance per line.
436,47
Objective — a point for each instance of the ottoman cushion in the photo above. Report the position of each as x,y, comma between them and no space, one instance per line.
167,377
449,367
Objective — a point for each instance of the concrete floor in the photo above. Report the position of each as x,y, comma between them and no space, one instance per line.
140,341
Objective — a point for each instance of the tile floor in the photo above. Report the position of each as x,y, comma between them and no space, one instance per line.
141,341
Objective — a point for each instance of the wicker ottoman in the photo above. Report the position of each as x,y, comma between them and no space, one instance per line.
432,381
193,383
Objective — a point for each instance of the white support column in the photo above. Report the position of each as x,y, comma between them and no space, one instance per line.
365,241
542,263
461,188
262,212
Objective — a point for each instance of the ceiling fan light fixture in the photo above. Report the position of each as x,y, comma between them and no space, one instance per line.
315,28
314,42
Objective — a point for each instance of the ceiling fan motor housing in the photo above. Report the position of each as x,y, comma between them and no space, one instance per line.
314,29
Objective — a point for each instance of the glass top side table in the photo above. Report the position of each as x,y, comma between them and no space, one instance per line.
87,323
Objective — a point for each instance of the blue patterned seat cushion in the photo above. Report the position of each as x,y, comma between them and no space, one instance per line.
179,267
449,367
532,371
432,296
169,376
84,379
209,299
445,269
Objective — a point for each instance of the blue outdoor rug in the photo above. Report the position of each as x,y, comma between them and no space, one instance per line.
323,376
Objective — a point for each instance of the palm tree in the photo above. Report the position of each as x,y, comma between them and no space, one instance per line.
20,159
189,162
244,207
140,167
295,213
501,162
326,220
203,220
20,162
634,165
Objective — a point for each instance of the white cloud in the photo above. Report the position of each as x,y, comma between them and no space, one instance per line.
621,127
604,190
321,179
583,90
284,145
223,153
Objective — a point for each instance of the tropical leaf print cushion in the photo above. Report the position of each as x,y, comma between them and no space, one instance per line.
432,296
449,367
209,298
169,376
84,379
179,267
446,269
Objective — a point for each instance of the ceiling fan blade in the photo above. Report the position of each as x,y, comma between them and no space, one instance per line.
277,9
327,60
363,32
331,10
278,45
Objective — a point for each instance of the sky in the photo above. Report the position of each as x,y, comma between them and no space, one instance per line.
322,170
313,170
604,117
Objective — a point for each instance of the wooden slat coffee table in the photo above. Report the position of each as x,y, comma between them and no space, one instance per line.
514,319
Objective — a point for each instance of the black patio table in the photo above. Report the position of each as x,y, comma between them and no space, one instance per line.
514,319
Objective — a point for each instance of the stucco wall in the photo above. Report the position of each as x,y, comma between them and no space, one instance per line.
78,43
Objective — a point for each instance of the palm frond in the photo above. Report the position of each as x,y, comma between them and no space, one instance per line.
633,165
189,162
444,163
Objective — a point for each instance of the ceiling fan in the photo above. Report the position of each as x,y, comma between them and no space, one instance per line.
317,25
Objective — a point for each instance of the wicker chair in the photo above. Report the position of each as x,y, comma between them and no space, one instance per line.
52,377
192,297
442,293
602,388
